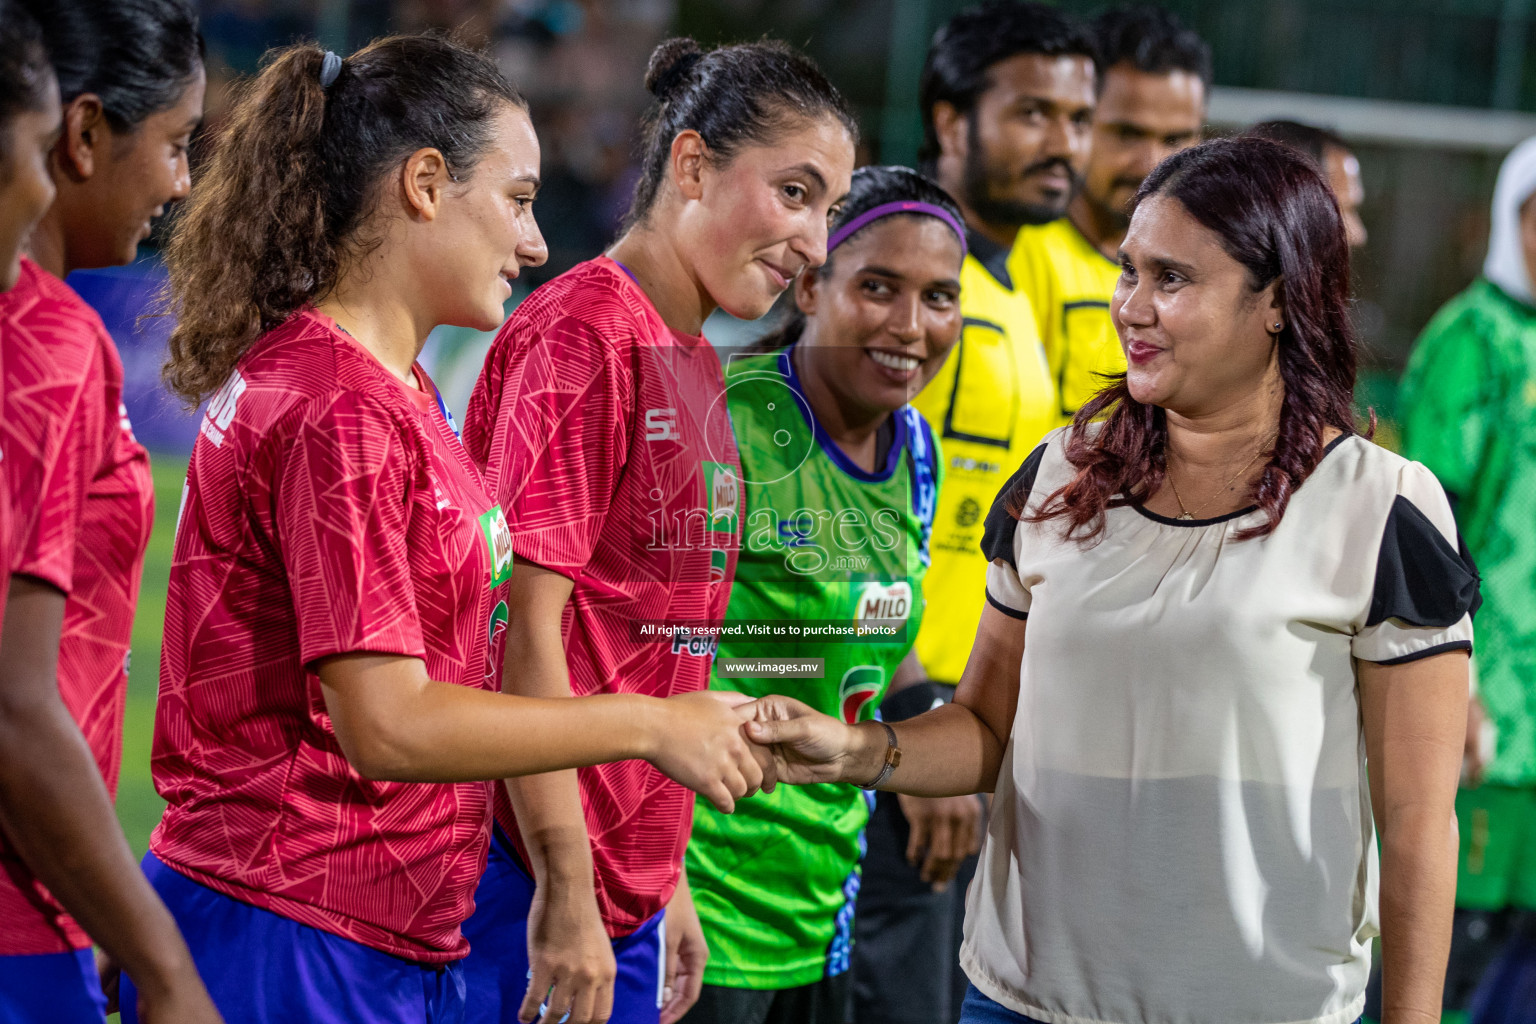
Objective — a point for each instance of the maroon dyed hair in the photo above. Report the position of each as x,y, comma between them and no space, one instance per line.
1274,214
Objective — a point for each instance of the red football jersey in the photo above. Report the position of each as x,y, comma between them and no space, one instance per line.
84,503
328,509
604,435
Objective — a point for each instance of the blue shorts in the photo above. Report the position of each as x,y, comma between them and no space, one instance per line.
262,968
496,970
51,988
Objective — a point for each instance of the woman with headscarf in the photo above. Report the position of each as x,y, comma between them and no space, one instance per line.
1469,414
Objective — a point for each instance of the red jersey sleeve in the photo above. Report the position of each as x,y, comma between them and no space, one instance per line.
340,516
563,427
59,439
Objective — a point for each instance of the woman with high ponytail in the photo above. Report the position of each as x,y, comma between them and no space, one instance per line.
599,422
130,77
328,720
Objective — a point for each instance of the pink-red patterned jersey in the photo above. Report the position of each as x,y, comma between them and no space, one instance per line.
604,435
83,500
7,530
328,509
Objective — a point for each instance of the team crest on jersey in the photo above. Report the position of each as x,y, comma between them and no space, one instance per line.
221,409
883,602
498,540
857,693
724,491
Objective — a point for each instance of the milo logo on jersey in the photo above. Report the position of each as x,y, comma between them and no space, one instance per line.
858,694
723,490
498,541
883,602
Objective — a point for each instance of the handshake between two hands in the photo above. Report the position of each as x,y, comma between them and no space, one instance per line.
725,745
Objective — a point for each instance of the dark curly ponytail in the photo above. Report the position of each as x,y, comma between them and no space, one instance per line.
280,205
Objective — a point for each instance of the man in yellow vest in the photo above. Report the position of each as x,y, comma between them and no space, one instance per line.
1007,102
1157,79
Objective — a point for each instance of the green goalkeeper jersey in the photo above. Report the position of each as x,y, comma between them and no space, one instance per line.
1468,405
831,567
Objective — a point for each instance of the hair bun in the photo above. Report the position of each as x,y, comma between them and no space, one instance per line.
669,66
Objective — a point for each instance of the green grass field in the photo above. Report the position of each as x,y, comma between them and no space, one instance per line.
138,805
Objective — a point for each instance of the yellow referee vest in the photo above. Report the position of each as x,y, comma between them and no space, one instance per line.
990,404
1070,283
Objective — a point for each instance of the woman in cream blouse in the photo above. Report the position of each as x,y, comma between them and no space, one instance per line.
1210,602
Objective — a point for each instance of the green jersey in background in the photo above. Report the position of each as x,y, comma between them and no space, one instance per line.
1469,414
1468,404
826,546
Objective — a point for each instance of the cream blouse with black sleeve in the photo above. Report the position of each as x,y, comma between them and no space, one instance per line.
1182,830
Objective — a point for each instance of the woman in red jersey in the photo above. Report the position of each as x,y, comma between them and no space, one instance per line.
29,123
327,717
600,421
131,79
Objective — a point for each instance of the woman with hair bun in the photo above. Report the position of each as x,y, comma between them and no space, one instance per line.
1210,602
130,77
327,724
841,476
600,424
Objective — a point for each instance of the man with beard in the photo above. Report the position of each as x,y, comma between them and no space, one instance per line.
1157,78
1007,101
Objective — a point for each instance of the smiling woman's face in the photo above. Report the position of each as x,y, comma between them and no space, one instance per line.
135,176
1196,335
761,218
882,318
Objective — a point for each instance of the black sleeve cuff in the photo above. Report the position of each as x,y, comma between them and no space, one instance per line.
1012,613
1429,652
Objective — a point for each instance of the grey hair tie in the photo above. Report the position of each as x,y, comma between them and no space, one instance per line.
329,69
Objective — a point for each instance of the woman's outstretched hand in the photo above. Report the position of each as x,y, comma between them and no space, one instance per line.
699,743
807,745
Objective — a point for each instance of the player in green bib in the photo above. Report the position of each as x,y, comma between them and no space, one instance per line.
840,479
1469,414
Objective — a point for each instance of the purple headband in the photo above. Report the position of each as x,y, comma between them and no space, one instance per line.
902,206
